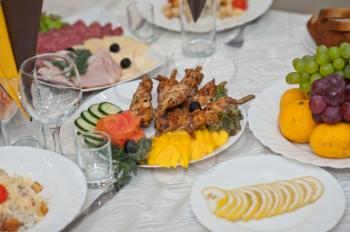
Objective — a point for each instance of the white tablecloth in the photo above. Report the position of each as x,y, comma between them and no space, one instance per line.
158,200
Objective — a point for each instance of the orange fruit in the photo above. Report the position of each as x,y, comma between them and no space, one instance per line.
296,122
291,95
331,141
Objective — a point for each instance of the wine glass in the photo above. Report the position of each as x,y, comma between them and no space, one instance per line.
50,90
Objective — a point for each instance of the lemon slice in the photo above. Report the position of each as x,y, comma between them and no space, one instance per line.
317,187
246,202
287,197
278,199
256,202
307,190
227,206
270,198
300,191
216,198
295,195
239,203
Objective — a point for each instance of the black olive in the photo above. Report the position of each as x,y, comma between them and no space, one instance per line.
70,49
130,146
125,63
114,47
194,106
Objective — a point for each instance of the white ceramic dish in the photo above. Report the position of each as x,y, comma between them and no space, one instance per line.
121,95
263,122
64,183
320,216
256,8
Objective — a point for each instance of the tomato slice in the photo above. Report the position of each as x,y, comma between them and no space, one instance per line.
240,4
3,194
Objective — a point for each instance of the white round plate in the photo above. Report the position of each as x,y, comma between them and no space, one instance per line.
263,122
309,42
63,182
320,216
256,8
121,96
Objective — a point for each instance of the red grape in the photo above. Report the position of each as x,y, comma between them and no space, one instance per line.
345,111
319,87
317,117
347,93
317,104
335,80
333,96
331,115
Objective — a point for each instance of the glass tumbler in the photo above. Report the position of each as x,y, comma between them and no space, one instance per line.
140,21
94,157
198,27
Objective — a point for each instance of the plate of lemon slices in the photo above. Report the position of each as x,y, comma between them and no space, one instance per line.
267,193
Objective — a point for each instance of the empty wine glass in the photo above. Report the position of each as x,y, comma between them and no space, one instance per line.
50,90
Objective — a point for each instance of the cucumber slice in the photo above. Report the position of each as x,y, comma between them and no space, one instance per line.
88,117
94,141
109,108
93,109
83,126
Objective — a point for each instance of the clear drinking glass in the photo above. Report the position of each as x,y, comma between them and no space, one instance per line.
95,158
140,20
198,35
50,90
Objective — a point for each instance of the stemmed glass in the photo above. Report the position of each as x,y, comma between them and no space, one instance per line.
50,90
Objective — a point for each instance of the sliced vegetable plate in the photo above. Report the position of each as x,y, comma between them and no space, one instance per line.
252,169
120,96
263,122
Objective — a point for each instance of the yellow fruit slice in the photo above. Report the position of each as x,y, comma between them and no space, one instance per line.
317,187
264,204
270,199
295,195
198,150
256,203
182,140
238,204
287,197
227,207
220,137
246,203
278,199
209,139
306,188
216,198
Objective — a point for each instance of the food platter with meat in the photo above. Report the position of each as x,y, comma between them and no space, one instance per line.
174,120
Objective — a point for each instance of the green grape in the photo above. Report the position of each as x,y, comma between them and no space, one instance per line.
340,72
307,57
321,48
311,66
298,64
326,69
333,52
345,52
344,45
322,58
338,64
305,86
314,77
347,72
293,78
304,77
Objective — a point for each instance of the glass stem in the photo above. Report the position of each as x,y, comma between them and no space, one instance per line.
55,132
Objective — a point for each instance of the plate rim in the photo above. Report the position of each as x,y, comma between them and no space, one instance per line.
265,155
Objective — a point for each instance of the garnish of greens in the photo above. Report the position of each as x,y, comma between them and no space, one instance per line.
125,164
50,21
80,56
230,117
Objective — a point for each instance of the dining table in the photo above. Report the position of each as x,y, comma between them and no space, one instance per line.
159,199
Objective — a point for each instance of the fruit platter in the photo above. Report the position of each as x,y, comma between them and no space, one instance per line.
192,119
99,49
310,116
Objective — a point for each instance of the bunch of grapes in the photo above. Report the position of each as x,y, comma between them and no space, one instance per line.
326,61
330,99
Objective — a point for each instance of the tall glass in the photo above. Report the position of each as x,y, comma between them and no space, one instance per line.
198,34
50,90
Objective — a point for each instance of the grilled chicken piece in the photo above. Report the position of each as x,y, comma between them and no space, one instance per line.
141,104
193,78
165,84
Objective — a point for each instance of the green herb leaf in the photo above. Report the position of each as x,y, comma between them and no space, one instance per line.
229,120
81,57
221,90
